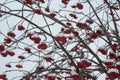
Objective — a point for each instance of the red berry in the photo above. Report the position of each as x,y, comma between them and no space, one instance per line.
75,33
52,15
68,24
3,76
83,26
68,31
75,77
61,39
7,40
27,78
11,34
20,28
21,57
10,53
28,49
65,1
112,55
79,6
30,2
2,48
117,65
48,59
99,32
83,64
114,47
36,40
37,11
93,36
109,64
29,35
19,66
4,55
113,74
103,51
40,68
50,77
42,46
73,16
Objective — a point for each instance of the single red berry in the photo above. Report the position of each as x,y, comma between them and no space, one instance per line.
11,53
48,59
103,51
67,31
65,1
79,6
21,57
30,2
79,24
117,65
61,39
109,64
27,78
7,40
3,76
114,47
93,36
83,26
11,34
50,77
40,68
62,29
112,55
75,77
27,49
36,40
73,15
112,14
42,46
20,28
99,32
2,48
83,64
3,55
52,15
112,73
29,35
75,33
37,11
68,24
19,66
